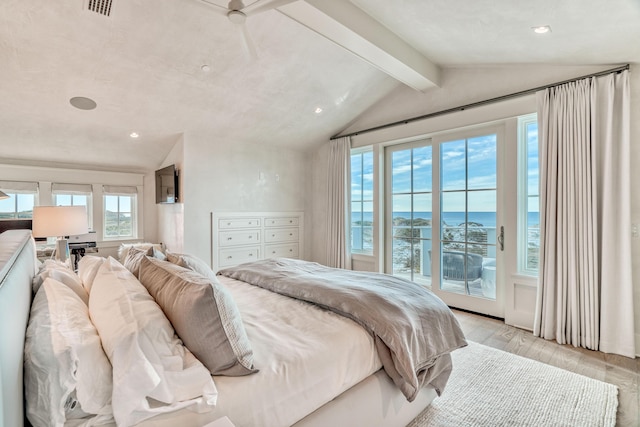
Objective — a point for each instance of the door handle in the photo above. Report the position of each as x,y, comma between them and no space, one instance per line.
501,238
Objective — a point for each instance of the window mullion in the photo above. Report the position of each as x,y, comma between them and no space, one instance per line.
119,225
361,248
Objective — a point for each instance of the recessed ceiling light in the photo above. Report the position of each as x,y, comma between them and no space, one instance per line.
82,103
318,110
134,135
543,29
206,68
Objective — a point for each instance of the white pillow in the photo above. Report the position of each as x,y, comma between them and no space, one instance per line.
153,372
62,274
87,270
52,263
67,374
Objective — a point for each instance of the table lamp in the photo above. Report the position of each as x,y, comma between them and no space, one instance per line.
60,222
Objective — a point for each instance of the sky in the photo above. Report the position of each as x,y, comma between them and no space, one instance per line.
469,163
111,204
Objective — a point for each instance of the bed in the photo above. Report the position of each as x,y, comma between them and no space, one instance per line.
355,391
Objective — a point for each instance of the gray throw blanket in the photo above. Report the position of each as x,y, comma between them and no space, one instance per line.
414,331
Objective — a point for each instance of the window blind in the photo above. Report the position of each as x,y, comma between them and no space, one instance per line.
115,189
19,186
71,188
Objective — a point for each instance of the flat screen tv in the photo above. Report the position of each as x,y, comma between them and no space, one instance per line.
167,185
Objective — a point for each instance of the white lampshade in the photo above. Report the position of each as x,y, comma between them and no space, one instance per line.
58,221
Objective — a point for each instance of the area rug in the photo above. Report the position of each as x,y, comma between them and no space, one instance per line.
489,387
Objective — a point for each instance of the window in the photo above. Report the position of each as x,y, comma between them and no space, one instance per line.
529,196
74,195
409,198
362,202
469,214
120,217
443,213
22,199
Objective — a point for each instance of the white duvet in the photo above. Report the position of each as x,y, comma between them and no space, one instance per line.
306,357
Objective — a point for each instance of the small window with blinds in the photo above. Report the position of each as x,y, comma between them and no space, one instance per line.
74,195
21,198
120,213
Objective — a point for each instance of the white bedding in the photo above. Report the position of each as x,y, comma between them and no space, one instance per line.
306,357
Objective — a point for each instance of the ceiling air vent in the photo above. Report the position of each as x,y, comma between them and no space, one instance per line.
103,7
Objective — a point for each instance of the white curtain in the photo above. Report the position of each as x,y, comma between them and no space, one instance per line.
585,292
338,216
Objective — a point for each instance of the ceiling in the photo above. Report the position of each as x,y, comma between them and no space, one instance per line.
143,67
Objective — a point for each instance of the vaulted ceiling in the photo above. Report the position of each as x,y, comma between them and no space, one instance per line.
163,68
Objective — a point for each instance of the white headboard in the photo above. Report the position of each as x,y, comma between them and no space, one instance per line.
17,268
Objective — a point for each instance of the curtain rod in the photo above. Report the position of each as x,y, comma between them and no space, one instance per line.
480,103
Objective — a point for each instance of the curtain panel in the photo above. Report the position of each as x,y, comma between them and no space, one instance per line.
585,292
338,212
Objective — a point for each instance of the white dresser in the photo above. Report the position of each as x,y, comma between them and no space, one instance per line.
239,237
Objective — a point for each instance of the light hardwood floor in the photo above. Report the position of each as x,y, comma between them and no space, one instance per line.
620,371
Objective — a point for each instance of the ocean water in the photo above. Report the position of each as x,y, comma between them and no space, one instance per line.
488,219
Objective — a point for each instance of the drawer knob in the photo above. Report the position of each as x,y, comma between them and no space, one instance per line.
228,223
273,252
290,221
290,234
290,250
229,257
229,238
250,223
251,237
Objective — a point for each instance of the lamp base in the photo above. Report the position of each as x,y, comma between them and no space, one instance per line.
62,250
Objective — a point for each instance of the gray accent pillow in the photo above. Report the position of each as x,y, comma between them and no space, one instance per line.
192,263
123,250
134,256
203,314
177,259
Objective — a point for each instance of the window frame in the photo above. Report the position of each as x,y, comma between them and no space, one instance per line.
524,196
361,152
12,193
133,212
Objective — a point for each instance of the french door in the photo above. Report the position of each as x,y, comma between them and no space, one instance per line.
443,218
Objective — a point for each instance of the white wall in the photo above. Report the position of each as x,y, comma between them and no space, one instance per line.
463,86
227,176
169,223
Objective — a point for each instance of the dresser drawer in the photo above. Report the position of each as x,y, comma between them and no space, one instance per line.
238,255
232,223
281,235
288,250
235,238
282,222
